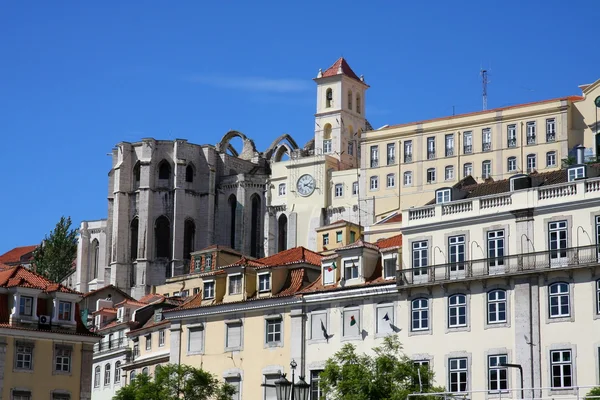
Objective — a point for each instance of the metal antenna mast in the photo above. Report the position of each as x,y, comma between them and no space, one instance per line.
484,83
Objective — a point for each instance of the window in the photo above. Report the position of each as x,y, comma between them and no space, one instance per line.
350,269
420,315
449,173
351,325
423,373
328,274
374,182
391,153
325,239
389,268
161,338
235,284
420,257
273,331
61,396
338,237
282,189
497,375
559,300
430,175
408,151
531,162
486,169
24,355
457,311
145,370
26,306
327,146
236,383
358,104
209,290
374,156
576,173
131,376
458,372
468,142
557,238
449,145
328,98
408,178
148,338
562,369
264,282
107,374
196,339
550,130
269,388
339,190
63,359
486,139
189,174
391,180
136,350
495,247
207,262
456,253
551,159
233,338
97,376
467,170
350,148
164,170
349,100
512,135
315,385
21,395
354,188
512,164
442,196
430,148
64,311
385,318
118,372
531,132
496,305
352,236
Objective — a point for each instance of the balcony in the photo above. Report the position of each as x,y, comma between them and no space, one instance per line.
519,264
408,158
512,142
530,139
113,345
374,163
487,146
550,137
468,149
449,151
430,155
391,160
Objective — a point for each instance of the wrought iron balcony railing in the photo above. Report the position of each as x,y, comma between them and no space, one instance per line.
112,345
468,149
408,157
487,146
550,137
530,139
430,155
449,151
512,142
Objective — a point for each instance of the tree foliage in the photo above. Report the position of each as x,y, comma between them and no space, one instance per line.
387,375
176,382
54,256
594,393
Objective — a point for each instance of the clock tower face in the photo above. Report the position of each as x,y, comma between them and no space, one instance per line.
305,185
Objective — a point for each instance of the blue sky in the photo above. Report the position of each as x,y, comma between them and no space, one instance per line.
78,77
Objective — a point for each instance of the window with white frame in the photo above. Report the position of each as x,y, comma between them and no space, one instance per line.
374,156
457,311
561,365
196,339
97,376
486,169
512,164
132,375
354,188
558,298
423,373
350,269
486,139
550,130
511,132
496,306
430,175
576,173
282,190
148,338
531,132
21,395
26,306
557,239
468,142
64,310
273,331
408,153
385,318
351,323
62,359
443,196
264,282
430,148
107,374
236,382
551,159
316,393
24,355
374,183
235,284
270,391
339,190
456,252
233,339
391,180
458,372
420,257
118,372
208,262
449,139
467,169
338,236
161,338
318,325
328,274
325,239
327,146
531,162
389,268
497,374
495,247
391,153
408,178
420,314
208,290
449,172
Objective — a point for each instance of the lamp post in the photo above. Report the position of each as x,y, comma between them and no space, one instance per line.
520,368
286,390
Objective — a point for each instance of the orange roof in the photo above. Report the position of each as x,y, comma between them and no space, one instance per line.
108,310
149,324
151,298
392,242
376,278
132,302
394,219
346,70
22,277
15,255
242,262
296,255
111,286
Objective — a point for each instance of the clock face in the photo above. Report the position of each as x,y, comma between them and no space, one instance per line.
597,101
305,185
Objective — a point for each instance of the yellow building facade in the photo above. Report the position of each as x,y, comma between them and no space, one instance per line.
336,235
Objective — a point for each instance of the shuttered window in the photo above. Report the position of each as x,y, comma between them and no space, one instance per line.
351,329
270,393
236,383
385,318
316,330
328,275
234,335
196,340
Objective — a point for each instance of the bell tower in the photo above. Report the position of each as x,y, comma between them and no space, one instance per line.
340,117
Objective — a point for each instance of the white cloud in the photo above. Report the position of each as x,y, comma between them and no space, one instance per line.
253,84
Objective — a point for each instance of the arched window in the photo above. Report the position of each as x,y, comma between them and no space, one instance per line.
232,214
328,98
95,258
133,246
189,174
145,370
282,223
131,376
107,374
327,131
358,105
162,235
97,376
118,372
349,99
189,235
136,174
255,224
164,170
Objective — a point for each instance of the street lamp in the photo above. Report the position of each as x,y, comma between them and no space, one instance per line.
284,388
520,368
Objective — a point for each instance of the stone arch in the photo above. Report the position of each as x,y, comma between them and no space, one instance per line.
248,150
278,143
280,151
282,232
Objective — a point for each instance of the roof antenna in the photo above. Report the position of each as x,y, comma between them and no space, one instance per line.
484,84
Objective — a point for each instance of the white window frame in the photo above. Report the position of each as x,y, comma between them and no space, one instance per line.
576,173
512,164
408,151
497,306
148,338
486,169
449,172
443,196
264,285
391,311
496,247
325,239
354,188
531,162
161,338
107,372
65,307
282,189
431,178
316,393
560,298
458,368
468,142
558,240
26,303
511,135
391,180
455,305
271,336
228,324
497,375
235,277
24,355
350,148
391,153
551,159
97,376
420,257
486,139
394,262
449,143
374,151
467,167
352,311
374,182
351,265
339,190
63,359
419,314
531,132
327,146
328,276
558,359
408,178
193,329
208,289
431,147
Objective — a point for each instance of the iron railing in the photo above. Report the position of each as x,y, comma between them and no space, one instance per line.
468,149
508,265
408,157
512,142
115,344
550,137
487,146
430,154
530,139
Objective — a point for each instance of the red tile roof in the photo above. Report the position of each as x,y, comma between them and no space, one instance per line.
359,243
106,310
148,325
346,70
394,219
16,255
390,243
151,298
104,288
131,302
376,278
296,255
242,262
22,277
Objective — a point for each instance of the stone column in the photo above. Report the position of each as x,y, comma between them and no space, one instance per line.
292,230
82,258
175,357
297,341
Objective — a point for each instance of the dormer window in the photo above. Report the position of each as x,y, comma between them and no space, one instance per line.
26,306
209,290
64,311
443,196
235,284
576,173
207,262
264,282
328,274
350,269
389,268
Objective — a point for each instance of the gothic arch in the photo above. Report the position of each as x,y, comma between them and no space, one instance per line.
189,238
278,143
162,237
280,151
248,150
255,225
282,232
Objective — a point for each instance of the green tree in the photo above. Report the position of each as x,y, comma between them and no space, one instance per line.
388,374
176,382
54,256
594,393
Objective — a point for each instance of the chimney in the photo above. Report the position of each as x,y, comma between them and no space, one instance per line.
579,153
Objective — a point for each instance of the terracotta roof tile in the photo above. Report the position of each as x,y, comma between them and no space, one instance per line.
390,243
396,218
104,288
22,277
131,302
296,255
346,70
244,262
359,243
376,278
151,298
148,325
15,255
109,310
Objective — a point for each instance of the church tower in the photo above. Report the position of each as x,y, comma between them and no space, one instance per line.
340,117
